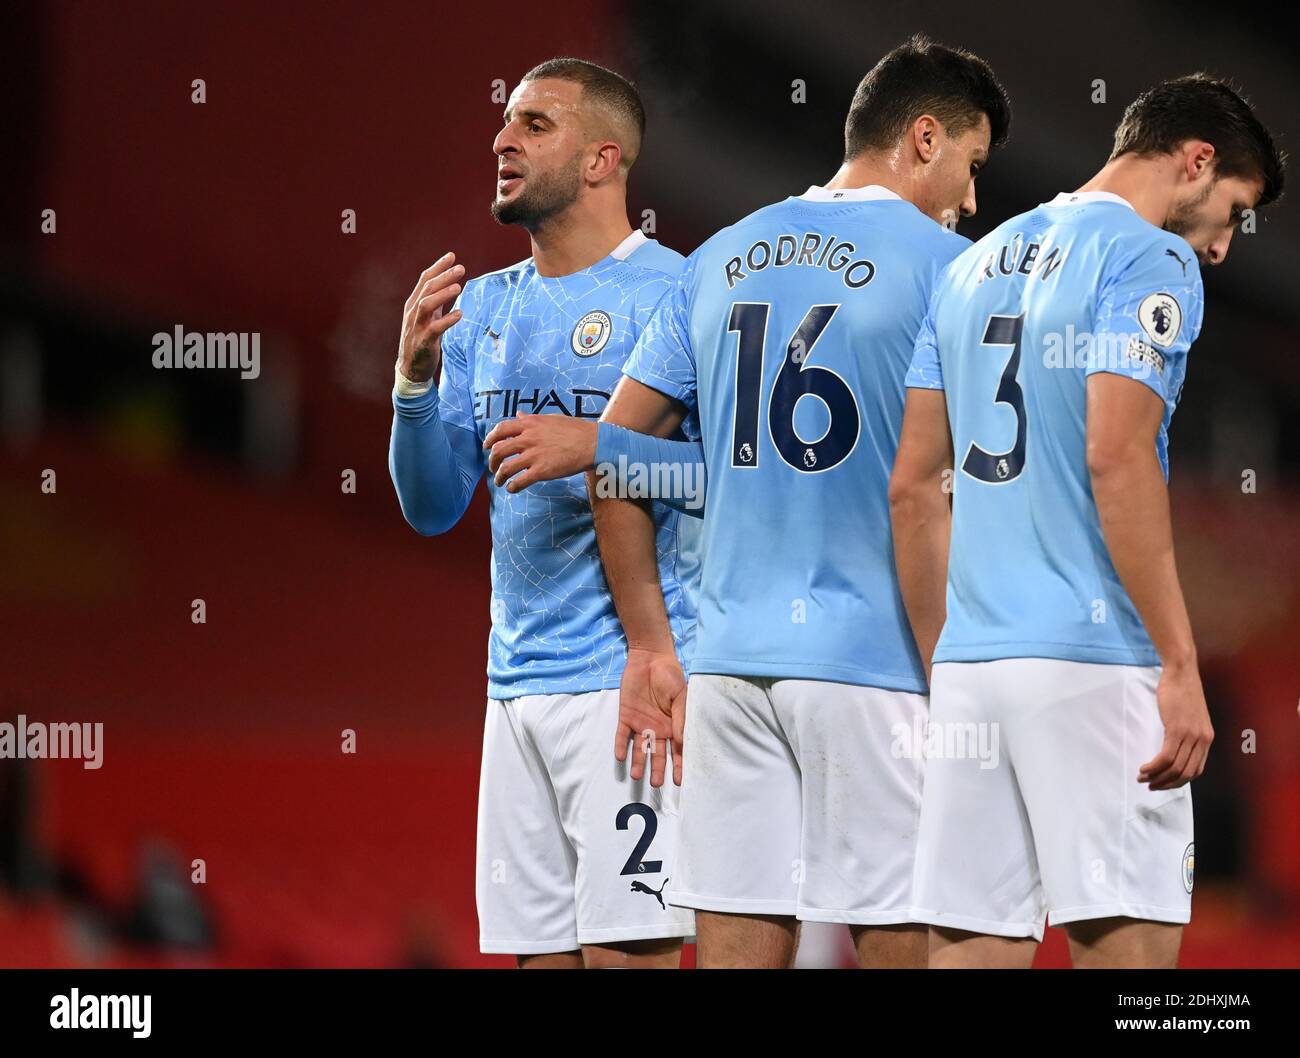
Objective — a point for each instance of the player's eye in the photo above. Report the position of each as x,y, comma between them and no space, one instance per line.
534,126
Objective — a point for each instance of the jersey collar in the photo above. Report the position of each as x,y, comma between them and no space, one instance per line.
870,193
1074,198
628,246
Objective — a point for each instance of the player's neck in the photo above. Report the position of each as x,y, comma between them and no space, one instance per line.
1146,184
864,171
578,237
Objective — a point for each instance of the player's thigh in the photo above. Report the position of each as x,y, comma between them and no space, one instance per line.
740,802
623,830
861,795
563,960
745,942
661,954
976,866
1108,846
952,949
902,946
1124,944
524,876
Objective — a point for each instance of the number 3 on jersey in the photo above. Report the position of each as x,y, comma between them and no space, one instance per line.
794,380
998,468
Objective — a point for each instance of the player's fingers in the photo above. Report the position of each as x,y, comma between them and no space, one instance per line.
658,762
1170,778
1160,761
505,428
429,303
639,741
527,479
501,451
1195,763
621,737
442,279
443,263
433,329
446,320
434,284
1160,778
508,468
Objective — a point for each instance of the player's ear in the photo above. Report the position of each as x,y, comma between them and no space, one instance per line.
605,160
1198,156
925,133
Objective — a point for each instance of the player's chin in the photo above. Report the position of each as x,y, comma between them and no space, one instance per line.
510,209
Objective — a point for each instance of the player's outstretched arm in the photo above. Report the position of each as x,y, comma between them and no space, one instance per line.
652,695
921,516
634,432
434,465
1132,499
673,471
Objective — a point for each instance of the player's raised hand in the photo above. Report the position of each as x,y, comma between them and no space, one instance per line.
1188,732
532,448
651,683
425,318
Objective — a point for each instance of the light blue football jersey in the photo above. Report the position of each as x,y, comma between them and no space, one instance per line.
556,345
1079,285
791,332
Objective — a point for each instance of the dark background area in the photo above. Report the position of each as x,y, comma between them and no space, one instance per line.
325,611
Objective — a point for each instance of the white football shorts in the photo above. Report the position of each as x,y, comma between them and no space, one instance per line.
571,851
799,798
1032,804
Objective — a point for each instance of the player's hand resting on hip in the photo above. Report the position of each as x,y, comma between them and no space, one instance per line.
532,448
425,319
651,709
1188,733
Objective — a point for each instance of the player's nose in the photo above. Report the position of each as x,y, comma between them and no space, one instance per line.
968,203
506,142
1217,251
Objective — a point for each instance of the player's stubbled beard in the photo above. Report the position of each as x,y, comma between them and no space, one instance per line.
1183,218
544,195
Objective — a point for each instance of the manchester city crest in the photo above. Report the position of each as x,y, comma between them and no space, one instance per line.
592,333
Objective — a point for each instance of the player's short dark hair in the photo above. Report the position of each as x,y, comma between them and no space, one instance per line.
604,87
922,77
1201,107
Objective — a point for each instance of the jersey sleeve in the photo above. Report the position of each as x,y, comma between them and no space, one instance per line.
680,466
926,371
662,357
455,394
1148,315
434,455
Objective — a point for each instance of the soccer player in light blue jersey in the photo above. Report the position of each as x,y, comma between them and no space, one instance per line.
574,854
1043,383
790,333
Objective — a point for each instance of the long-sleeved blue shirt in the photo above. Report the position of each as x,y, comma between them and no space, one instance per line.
543,345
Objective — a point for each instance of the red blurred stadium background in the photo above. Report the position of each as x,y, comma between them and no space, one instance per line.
325,611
